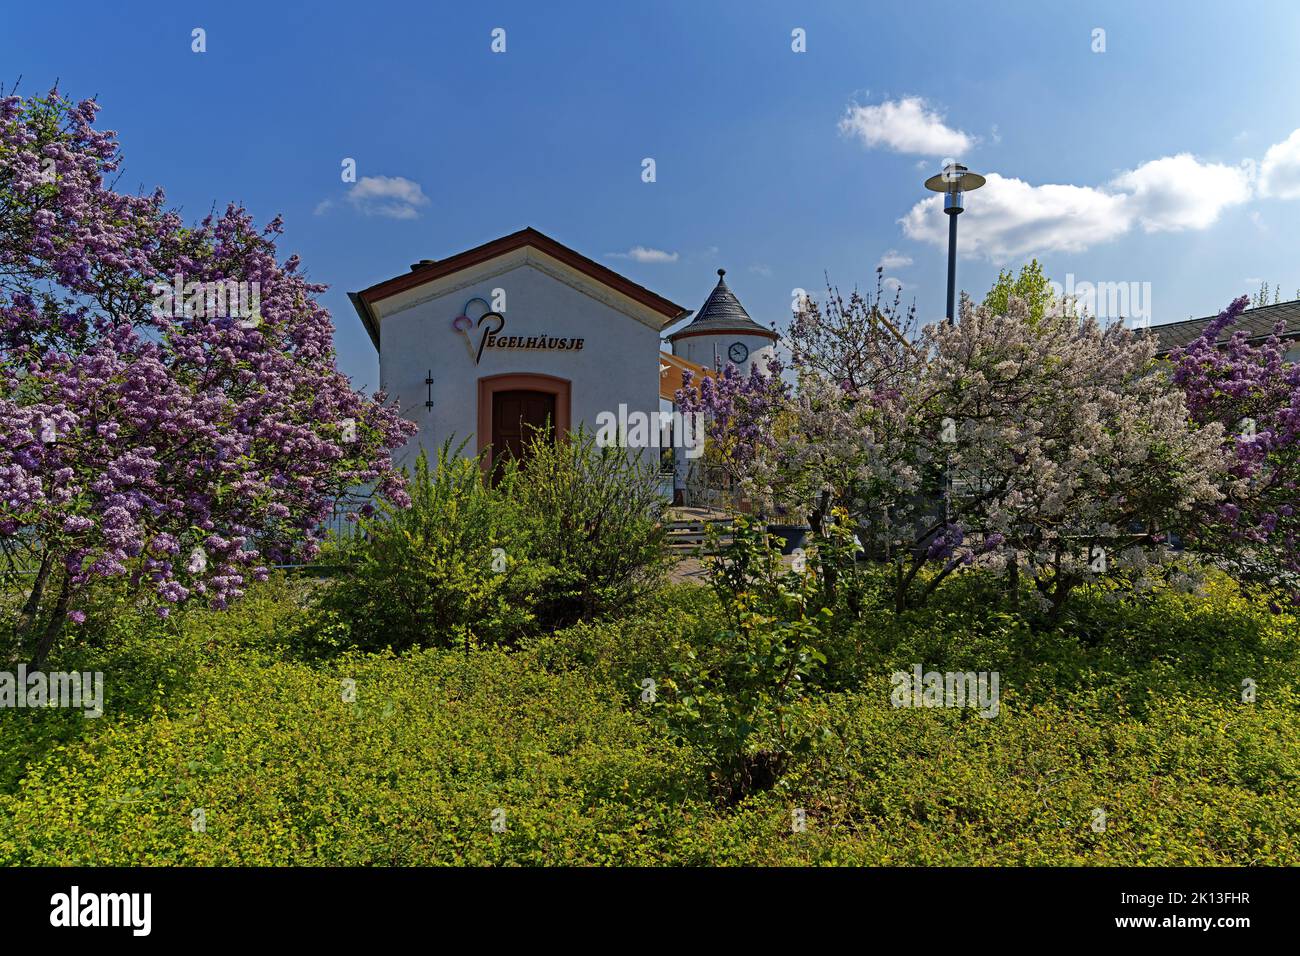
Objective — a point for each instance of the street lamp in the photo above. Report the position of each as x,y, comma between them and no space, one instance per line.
952,182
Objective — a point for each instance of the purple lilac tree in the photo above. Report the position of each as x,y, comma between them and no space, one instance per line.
153,429
1254,394
739,411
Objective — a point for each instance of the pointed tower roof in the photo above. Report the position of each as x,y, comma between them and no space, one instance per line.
720,314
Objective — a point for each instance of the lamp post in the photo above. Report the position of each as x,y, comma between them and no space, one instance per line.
955,180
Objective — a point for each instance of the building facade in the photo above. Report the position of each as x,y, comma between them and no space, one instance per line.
524,333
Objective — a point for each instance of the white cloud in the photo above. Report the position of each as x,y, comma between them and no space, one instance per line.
1180,192
644,254
893,259
892,284
393,196
1016,218
1279,173
907,125
761,270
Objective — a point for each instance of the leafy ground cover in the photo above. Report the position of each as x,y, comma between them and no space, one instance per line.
1133,710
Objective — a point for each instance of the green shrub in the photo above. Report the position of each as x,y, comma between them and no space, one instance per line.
622,653
452,569
1194,783
593,518
1132,709
730,694
286,771
409,772
149,664
573,535
1125,651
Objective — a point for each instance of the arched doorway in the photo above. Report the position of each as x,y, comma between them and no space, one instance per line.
513,405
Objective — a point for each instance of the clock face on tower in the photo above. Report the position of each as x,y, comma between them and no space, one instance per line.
738,352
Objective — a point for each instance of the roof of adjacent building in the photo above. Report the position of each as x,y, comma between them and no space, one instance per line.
427,270
1256,323
722,312
672,369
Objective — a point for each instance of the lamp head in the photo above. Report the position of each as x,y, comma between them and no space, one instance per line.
952,182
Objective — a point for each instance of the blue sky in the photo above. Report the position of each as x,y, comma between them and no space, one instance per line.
776,165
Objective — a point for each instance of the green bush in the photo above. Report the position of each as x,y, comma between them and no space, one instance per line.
453,569
593,518
574,535
286,771
1123,651
1194,783
622,653
730,693
149,664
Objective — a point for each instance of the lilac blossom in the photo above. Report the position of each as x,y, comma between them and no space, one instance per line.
1016,445
739,411
129,436
1249,391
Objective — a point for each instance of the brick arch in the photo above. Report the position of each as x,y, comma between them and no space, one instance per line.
489,385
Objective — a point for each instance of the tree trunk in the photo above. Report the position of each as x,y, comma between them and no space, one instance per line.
817,520
818,517
54,626
1064,585
32,607
900,587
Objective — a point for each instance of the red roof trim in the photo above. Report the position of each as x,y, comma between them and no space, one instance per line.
516,240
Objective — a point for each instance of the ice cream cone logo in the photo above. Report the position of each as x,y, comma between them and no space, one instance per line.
464,322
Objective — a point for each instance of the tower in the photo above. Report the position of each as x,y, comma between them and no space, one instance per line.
722,332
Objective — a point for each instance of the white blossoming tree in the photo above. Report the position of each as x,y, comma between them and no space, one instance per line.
1044,446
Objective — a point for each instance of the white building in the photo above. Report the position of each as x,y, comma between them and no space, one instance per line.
524,332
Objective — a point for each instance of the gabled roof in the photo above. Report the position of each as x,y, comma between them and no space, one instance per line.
1256,323
428,270
722,312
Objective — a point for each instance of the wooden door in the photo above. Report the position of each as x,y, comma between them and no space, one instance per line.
516,417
